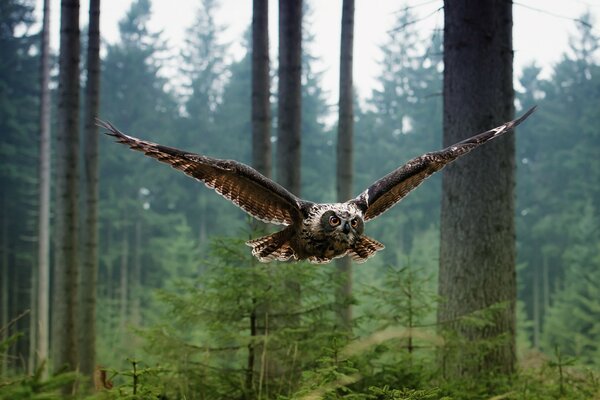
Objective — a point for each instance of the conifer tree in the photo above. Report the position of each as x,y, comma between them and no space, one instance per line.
66,265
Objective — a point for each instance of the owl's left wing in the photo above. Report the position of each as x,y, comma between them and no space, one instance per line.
256,194
390,189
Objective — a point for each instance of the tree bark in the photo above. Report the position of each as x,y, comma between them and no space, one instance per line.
66,273
477,248
4,310
43,273
124,283
344,152
89,270
289,95
261,152
261,89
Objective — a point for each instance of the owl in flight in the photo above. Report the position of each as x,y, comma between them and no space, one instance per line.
314,232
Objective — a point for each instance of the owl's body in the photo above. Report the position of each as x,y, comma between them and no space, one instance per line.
327,231
315,232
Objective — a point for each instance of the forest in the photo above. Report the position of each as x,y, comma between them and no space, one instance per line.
122,278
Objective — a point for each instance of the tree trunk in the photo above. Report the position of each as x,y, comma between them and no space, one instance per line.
4,332
136,276
65,288
261,89
261,152
43,274
124,284
344,151
477,247
89,270
289,95
536,307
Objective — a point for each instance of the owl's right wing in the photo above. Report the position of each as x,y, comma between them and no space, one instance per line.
389,190
254,193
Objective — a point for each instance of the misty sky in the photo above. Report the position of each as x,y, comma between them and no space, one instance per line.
541,29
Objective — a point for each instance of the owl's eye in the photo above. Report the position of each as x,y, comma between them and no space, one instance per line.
354,223
334,221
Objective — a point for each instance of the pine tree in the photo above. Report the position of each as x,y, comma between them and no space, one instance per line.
66,265
344,170
19,99
89,269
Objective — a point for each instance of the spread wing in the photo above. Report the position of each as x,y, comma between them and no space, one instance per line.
390,189
254,193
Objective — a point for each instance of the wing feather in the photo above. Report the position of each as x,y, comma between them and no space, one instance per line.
245,187
390,189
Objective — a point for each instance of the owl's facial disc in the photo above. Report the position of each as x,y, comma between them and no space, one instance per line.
344,223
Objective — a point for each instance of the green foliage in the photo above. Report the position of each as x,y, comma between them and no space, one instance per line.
35,386
239,313
557,228
134,383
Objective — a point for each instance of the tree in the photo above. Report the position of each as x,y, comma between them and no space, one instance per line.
553,205
67,176
403,118
203,65
477,248
19,108
43,274
289,95
345,148
89,267
261,89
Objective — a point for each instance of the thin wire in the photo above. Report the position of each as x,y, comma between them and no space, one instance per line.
414,21
417,5
582,22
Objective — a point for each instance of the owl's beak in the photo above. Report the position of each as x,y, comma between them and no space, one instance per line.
346,227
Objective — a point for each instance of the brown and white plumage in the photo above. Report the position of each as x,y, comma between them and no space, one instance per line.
317,232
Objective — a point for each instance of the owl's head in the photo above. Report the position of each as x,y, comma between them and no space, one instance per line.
342,223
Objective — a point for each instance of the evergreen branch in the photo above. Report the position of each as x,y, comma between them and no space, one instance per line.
14,320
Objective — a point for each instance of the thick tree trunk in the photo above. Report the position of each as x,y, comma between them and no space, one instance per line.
66,271
43,273
89,270
477,249
344,151
289,95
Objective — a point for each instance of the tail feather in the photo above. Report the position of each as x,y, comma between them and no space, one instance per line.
364,248
272,247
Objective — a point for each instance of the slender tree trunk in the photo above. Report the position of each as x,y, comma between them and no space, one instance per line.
261,89
345,163
136,276
289,95
546,286
43,274
261,151
66,271
536,307
4,332
124,283
89,270
477,247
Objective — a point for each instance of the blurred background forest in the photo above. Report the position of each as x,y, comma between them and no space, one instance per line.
176,286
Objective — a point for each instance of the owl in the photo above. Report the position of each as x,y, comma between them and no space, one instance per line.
315,232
